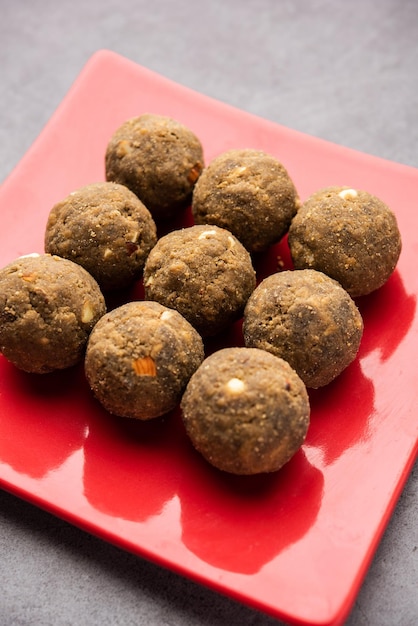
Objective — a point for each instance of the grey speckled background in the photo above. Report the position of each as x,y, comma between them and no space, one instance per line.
344,71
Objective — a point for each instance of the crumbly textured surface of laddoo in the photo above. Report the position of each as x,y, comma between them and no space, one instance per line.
246,411
308,319
159,159
48,307
139,359
203,272
348,234
248,192
104,228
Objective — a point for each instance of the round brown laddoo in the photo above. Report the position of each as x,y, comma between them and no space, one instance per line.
48,307
139,359
249,193
159,159
349,235
306,318
104,228
203,272
246,411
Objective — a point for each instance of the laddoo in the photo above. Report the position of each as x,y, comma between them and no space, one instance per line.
104,228
203,272
248,192
348,234
159,159
306,318
139,359
246,411
48,307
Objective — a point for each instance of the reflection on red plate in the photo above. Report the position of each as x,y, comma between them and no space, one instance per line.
340,413
224,519
388,315
142,462
295,544
35,439
241,523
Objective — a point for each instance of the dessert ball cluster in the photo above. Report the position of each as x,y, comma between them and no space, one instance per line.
246,411
140,357
309,320
350,235
106,229
48,307
245,408
157,158
249,193
203,272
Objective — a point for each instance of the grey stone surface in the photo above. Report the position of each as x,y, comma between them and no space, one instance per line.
343,71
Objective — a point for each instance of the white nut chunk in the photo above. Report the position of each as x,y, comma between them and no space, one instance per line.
235,385
348,194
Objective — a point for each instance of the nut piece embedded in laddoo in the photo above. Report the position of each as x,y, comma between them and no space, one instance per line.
159,159
306,318
348,234
203,272
248,192
48,307
246,411
104,228
139,359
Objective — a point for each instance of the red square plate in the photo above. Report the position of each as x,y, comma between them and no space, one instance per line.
295,544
